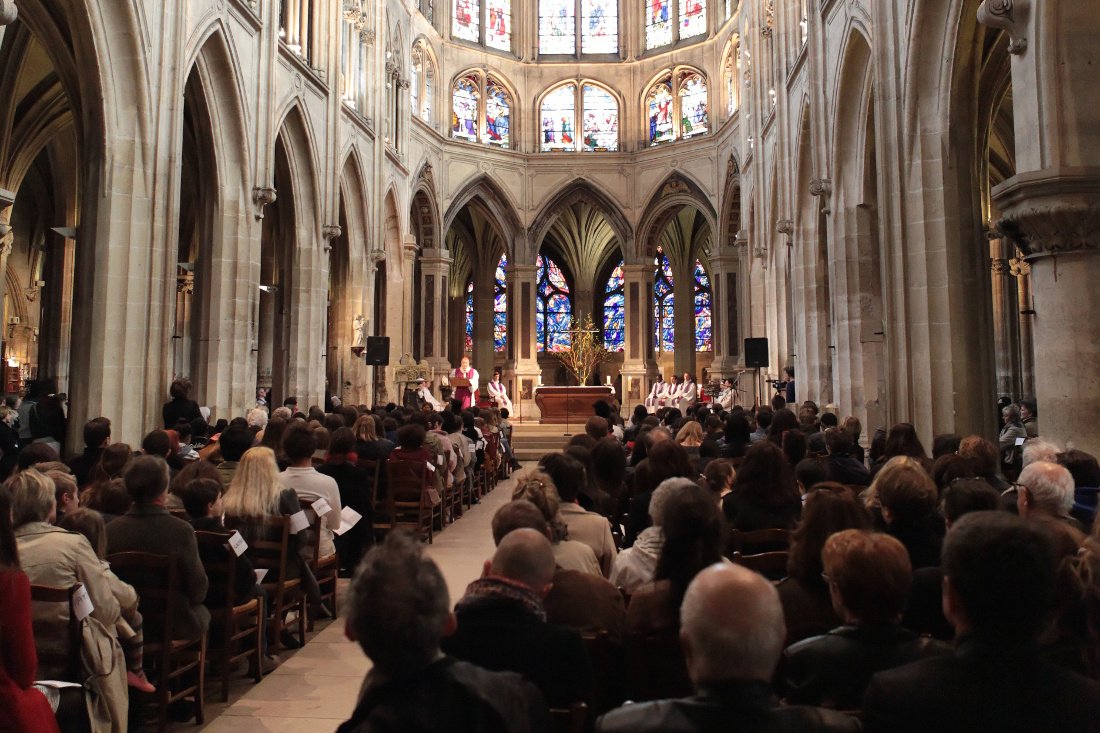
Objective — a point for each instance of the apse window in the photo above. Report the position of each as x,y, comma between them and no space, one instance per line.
491,28
676,107
598,32
481,110
670,21
579,116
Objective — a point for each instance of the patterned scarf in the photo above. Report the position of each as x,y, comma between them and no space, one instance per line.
494,591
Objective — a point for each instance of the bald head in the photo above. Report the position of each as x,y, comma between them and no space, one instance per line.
731,625
526,556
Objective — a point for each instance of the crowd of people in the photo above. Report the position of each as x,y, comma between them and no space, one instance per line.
921,590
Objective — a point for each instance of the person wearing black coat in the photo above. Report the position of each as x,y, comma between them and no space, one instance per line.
181,406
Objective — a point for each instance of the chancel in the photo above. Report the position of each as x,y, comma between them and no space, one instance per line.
459,229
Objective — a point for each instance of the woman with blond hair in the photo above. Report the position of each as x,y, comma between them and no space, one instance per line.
370,442
538,488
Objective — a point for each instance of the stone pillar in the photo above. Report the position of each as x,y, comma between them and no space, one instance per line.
683,313
1021,269
7,237
639,368
484,347
1004,318
522,373
435,266
1051,207
724,273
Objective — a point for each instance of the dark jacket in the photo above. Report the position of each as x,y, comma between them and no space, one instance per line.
504,636
731,707
747,514
449,696
151,528
924,608
807,608
987,685
174,410
845,469
921,540
833,669
586,603
82,465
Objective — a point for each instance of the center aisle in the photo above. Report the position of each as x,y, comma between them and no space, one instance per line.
320,682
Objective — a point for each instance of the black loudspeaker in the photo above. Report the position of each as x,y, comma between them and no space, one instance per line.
756,353
378,350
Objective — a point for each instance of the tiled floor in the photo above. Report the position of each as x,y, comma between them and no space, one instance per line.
316,688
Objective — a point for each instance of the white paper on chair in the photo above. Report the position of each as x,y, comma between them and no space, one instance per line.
321,506
82,604
431,468
1020,441
260,573
298,522
57,684
348,519
439,460
237,543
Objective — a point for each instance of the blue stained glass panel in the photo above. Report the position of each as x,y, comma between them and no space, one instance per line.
558,119
557,27
663,299
500,305
554,312
466,20
601,119
693,105
470,316
464,103
658,24
659,110
498,24
704,337
614,311
498,108
693,18
599,26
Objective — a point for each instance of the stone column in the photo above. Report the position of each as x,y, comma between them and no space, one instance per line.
522,373
724,273
683,313
7,237
1021,269
1004,318
1051,207
639,368
435,265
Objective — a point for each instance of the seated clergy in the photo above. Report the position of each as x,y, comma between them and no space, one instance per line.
999,588
732,633
399,611
658,395
869,577
502,622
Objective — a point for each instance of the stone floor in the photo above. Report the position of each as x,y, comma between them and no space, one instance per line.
315,688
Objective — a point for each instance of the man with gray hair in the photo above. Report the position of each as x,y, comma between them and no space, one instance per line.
1045,489
1040,450
635,565
399,611
732,632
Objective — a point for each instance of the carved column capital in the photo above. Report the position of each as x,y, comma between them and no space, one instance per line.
331,231
1019,268
1051,212
8,12
261,197
999,265
1009,16
821,187
785,226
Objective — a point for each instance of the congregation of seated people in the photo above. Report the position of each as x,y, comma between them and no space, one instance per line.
73,526
691,569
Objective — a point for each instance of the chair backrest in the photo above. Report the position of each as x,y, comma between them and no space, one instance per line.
407,482
372,467
655,667
65,657
154,577
569,720
772,565
268,544
313,533
770,540
219,562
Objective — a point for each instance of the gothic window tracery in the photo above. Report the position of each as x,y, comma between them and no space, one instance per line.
676,106
588,122
704,340
614,311
598,27
423,82
491,28
481,109
663,298
554,310
670,21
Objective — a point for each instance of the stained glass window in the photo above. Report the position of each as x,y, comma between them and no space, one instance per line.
693,18
500,305
729,79
559,118
554,313
466,22
557,27
414,86
658,26
498,24
498,109
470,316
663,321
599,26
659,110
703,331
464,105
601,119
614,311
693,104
429,85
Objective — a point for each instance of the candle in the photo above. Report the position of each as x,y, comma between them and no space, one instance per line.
540,380
609,379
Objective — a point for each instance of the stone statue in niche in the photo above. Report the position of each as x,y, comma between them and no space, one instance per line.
358,331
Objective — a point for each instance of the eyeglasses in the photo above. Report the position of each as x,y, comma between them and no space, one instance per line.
1020,487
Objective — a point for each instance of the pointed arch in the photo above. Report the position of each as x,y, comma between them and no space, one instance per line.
298,139
580,190
424,214
676,191
486,193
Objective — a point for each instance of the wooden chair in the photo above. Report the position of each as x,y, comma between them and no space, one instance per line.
326,569
372,467
606,660
772,565
231,626
409,502
655,667
64,662
768,540
569,720
269,549
178,663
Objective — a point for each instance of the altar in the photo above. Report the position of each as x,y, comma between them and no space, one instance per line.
571,404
